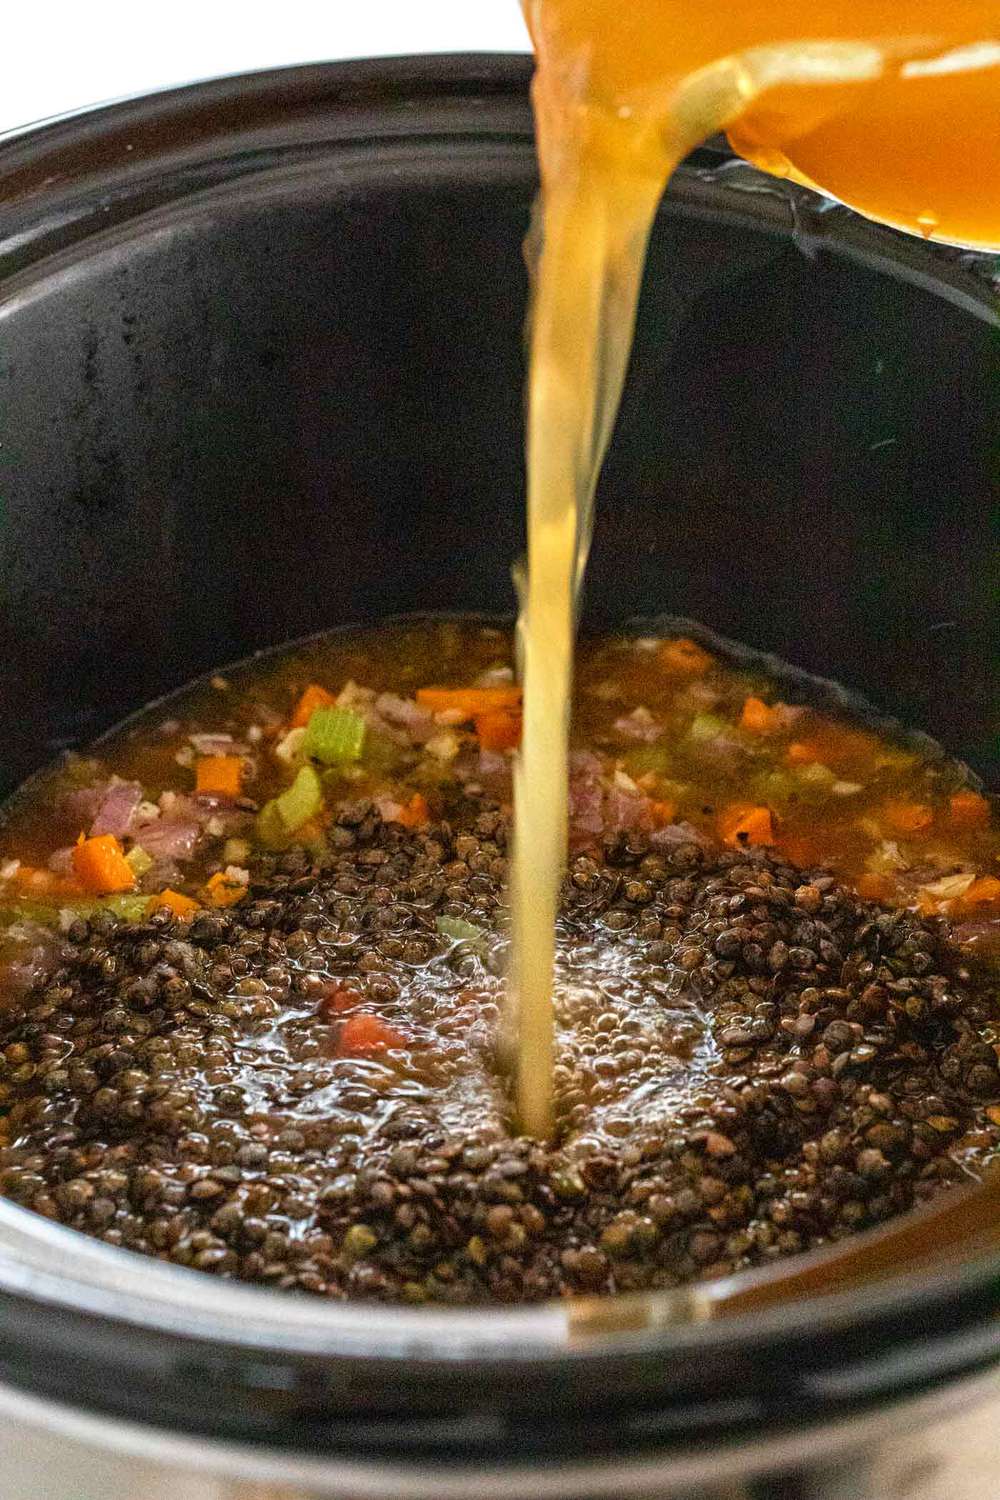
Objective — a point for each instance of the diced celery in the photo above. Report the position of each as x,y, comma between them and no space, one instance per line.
29,911
817,776
270,828
334,735
460,931
302,800
705,727
648,758
138,861
774,787
127,908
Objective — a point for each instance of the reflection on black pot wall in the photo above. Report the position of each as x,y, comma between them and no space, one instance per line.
294,403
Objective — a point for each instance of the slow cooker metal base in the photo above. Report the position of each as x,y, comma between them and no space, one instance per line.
943,1445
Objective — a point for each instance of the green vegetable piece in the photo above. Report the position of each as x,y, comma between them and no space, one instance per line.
270,828
126,908
705,727
643,758
459,930
334,736
775,787
818,776
301,801
138,861
29,911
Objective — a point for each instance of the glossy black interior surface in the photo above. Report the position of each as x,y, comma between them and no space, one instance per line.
287,395
260,374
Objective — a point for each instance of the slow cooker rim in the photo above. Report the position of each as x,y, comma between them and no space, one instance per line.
437,77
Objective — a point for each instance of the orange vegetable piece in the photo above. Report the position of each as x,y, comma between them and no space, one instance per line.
499,729
662,813
684,657
314,697
875,887
468,701
908,817
759,717
222,891
803,753
800,850
982,892
834,745
416,812
101,866
45,882
363,1034
968,810
218,775
339,997
743,824
182,906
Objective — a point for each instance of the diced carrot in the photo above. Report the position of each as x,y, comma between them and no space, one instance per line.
218,775
415,813
982,892
499,729
803,753
314,697
182,906
800,850
45,882
662,812
874,887
834,745
339,997
742,824
222,890
759,717
468,701
968,810
907,817
363,1034
684,657
101,865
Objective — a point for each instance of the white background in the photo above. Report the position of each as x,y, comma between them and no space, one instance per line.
58,55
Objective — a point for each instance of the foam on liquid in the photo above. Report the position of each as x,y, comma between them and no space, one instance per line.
890,105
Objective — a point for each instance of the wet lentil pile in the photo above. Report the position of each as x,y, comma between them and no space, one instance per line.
753,1060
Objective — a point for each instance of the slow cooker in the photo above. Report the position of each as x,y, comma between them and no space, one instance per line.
261,373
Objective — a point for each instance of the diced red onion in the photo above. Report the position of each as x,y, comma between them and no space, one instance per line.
168,838
586,797
679,833
61,862
117,809
83,803
217,744
404,713
584,763
625,811
639,725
